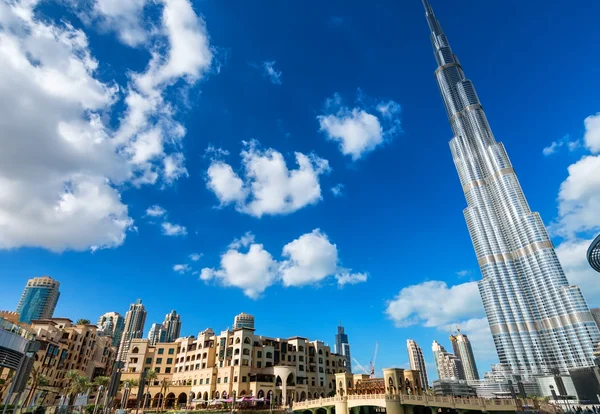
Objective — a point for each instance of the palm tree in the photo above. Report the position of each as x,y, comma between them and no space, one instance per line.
82,322
5,382
150,377
164,385
76,384
37,380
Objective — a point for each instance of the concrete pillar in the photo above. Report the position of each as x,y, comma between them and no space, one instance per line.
341,406
355,410
329,409
409,409
394,407
434,410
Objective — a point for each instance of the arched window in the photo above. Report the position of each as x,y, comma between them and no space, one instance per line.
246,352
237,340
320,352
247,340
237,351
135,350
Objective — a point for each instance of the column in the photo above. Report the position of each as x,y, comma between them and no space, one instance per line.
341,406
394,407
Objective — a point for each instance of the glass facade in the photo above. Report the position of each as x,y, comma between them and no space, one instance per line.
538,321
342,347
593,254
38,300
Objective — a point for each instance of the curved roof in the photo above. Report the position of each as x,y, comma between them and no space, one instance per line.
593,254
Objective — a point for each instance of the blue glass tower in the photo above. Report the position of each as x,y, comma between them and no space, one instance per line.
39,299
538,321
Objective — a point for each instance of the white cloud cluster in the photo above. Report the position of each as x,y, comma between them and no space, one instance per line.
194,257
361,129
307,260
563,142
182,268
62,163
573,257
267,186
273,74
168,228
592,133
123,17
337,190
155,211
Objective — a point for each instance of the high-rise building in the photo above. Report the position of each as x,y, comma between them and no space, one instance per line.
171,326
135,318
593,254
38,299
538,321
342,347
243,320
111,324
447,364
156,334
417,361
463,350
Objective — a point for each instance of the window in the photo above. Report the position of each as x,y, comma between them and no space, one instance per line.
207,381
301,358
167,370
148,360
159,360
235,379
258,364
194,382
245,362
244,379
171,351
246,352
237,351
200,381
301,348
225,380
218,380
161,351
269,355
157,370
169,360
259,354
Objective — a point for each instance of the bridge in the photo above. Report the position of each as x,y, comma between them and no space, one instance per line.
399,392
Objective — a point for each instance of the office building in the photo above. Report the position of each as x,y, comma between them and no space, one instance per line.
593,254
342,347
463,350
171,326
111,324
417,361
156,334
538,321
243,320
39,299
135,319
448,365
453,387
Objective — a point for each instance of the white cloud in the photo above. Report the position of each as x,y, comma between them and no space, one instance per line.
62,164
307,260
579,199
310,259
268,186
270,71
252,271
434,303
155,211
182,268
357,130
573,257
592,133
463,273
170,229
123,17
194,257
337,190
563,142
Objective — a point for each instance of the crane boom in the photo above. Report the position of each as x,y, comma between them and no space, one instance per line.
360,366
373,360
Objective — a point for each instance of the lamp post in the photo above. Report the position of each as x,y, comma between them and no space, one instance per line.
125,396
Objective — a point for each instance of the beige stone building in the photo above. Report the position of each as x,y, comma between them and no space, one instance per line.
234,363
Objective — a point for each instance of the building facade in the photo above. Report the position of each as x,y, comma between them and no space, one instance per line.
39,299
171,327
243,320
236,362
538,321
417,361
135,319
156,334
593,254
342,347
111,324
463,350
448,366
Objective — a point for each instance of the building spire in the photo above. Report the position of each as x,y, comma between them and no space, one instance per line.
428,8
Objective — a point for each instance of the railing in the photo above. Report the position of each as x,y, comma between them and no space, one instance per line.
16,329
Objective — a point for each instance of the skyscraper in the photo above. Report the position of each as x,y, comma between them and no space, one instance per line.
538,322
243,320
112,324
342,347
38,299
156,334
135,318
447,364
593,254
171,326
462,349
417,361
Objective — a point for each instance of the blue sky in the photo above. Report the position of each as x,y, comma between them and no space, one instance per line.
299,148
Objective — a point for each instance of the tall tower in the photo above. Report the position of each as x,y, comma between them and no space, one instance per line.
447,364
463,350
243,320
135,318
39,299
156,334
112,324
171,326
417,361
539,323
342,347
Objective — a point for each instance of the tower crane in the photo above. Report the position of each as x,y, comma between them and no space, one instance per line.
360,366
372,363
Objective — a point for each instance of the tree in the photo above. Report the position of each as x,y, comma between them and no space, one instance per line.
164,385
101,382
82,322
76,384
150,377
36,380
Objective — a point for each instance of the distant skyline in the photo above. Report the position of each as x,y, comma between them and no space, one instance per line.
290,158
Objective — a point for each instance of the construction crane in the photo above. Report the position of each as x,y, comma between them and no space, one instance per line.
372,363
360,366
